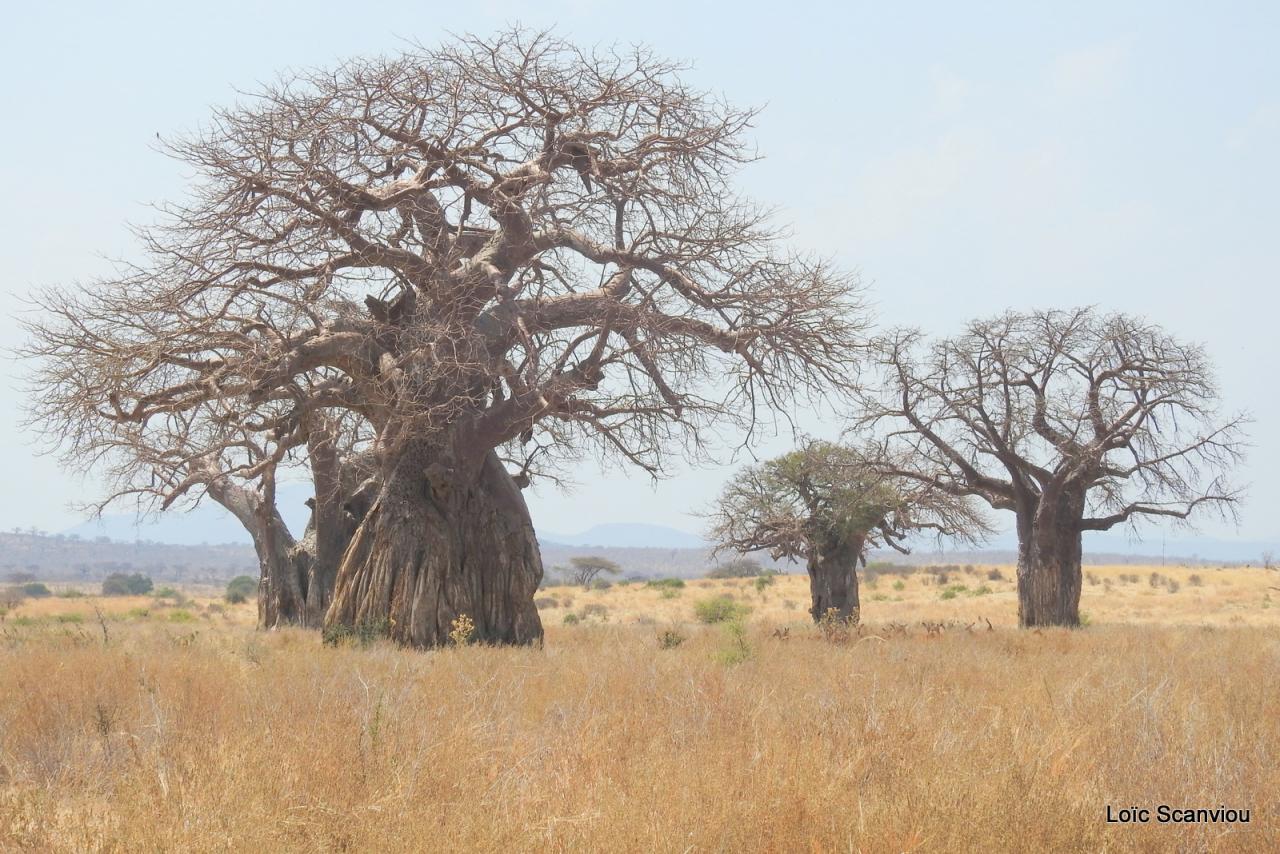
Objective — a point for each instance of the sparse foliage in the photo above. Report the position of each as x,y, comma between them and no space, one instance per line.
586,570
504,250
827,504
1073,420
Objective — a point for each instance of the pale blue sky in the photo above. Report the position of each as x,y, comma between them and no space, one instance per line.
964,160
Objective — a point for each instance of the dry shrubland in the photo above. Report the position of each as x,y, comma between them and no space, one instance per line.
203,734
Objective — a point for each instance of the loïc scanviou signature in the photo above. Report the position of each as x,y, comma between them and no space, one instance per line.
1165,814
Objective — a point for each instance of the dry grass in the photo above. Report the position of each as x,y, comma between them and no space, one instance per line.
210,736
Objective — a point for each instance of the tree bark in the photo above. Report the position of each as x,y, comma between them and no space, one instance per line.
282,581
833,580
439,542
1049,552
340,502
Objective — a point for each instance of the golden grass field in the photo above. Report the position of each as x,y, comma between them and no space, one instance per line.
197,733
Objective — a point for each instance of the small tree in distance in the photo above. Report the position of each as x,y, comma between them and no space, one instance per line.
586,569
739,567
826,504
121,584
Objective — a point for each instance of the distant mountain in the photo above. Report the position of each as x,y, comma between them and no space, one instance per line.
207,523
627,535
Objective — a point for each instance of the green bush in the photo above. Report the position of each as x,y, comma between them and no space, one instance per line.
670,639
242,588
719,609
35,590
669,593
70,593
899,585
571,619
181,616
666,583
362,633
736,649
119,584
69,618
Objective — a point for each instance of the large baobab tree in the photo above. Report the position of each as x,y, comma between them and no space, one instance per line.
827,504
469,248
1074,420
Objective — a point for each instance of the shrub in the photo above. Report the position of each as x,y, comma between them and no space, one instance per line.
1195,581
35,590
899,585
666,583
601,584
982,590
1091,578
669,593
70,593
670,639
167,592
571,619
953,591
363,633
595,609
545,602
719,609
994,574
1172,585
736,650
461,630
837,629
181,616
241,589
74,619
119,584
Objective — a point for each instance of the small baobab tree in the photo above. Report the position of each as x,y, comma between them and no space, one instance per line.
827,504
497,242
1073,420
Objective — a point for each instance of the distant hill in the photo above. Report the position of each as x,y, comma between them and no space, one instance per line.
63,557
627,535
207,523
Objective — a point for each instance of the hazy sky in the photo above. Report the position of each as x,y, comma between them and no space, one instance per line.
963,160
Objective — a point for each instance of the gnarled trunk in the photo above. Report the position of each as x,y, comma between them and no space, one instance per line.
833,580
342,487
440,542
1049,551
282,582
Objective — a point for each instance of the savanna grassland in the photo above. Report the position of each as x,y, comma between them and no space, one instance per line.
171,724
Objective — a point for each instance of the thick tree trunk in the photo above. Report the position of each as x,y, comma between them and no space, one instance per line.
437,544
340,502
1049,576
833,581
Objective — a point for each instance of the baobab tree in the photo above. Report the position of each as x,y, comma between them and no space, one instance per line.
1073,420
471,248
827,504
